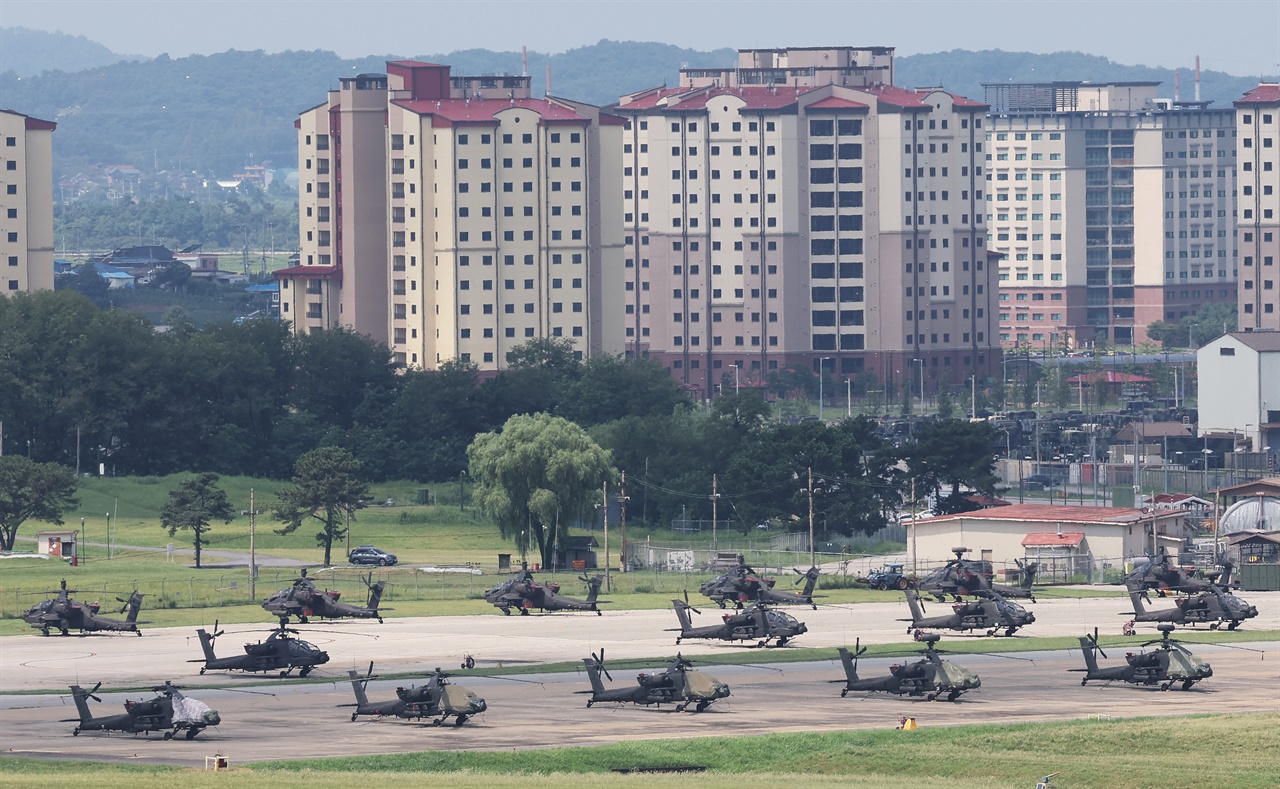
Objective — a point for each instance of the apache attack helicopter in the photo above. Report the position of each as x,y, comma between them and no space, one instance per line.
65,614
438,699
960,577
991,613
742,585
280,652
680,684
1214,606
1169,664
755,623
525,594
170,712
304,600
1164,576
931,676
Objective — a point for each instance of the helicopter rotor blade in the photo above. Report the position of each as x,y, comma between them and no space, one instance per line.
603,670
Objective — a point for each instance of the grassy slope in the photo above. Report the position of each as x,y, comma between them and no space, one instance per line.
1137,753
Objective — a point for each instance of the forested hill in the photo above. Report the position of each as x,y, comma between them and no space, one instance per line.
214,114
28,52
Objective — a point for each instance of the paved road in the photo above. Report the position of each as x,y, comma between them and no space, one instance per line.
223,558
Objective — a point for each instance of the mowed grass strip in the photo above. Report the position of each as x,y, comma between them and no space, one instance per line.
1134,753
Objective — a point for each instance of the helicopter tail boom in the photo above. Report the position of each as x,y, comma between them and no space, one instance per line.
593,673
206,644
82,704
1090,657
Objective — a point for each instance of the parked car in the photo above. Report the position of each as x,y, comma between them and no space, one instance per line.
367,554
1042,479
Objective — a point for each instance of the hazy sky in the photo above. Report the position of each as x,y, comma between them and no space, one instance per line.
1237,36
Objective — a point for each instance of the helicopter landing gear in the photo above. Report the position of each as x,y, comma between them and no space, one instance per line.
137,633
305,671
763,643
44,632
599,612
702,705
302,620
677,640
1165,686
844,693
590,702
1186,685
461,719
680,708
437,721
168,735
953,695
1233,625
202,669
75,732
354,715
379,620
1084,681
524,612
991,632
931,697
720,603
506,612
191,733
782,642
1010,631
66,632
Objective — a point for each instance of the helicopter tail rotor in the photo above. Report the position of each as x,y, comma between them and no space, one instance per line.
599,659
1093,639
686,602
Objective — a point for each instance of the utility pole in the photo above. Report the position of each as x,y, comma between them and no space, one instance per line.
848,398
605,506
973,397
622,509
715,500
253,555
812,563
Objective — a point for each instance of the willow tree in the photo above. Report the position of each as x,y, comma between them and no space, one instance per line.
535,477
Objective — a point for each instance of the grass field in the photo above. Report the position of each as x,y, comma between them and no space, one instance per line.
1235,751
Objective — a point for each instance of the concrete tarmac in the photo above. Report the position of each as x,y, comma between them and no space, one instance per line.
304,720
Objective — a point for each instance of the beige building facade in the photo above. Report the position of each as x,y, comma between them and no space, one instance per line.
1258,152
456,217
26,203
999,534
798,210
1113,209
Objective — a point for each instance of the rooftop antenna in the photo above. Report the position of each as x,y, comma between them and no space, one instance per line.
1176,83
524,61
548,91
1197,78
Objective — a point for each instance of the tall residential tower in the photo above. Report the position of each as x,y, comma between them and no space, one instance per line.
26,203
1257,122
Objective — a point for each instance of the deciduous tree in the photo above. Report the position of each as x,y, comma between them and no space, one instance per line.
195,504
327,486
536,476
43,491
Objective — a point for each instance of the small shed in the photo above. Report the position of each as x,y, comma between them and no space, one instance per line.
578,553
57,543
1059,554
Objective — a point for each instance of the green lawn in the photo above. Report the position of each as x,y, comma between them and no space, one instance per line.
1134,753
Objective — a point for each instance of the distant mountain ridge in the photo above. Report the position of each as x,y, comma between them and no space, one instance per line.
28,52
213,114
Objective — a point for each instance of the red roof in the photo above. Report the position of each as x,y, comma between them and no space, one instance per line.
1051,539
836,103
1266,93
447,112
1174,498
1054,513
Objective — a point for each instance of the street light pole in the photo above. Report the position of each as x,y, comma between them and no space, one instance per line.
848,398
812,563
737,389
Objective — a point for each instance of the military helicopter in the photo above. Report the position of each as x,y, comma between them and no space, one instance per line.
680,684
758,622
991,613
1214,606
742,585
1164,576
304,600
65,614
525,594
1169,664
280,652
170,712
961,577
438,699
931,676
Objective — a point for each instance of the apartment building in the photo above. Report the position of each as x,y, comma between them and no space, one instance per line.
799,210
1112,208
456,217
26,203
1257,122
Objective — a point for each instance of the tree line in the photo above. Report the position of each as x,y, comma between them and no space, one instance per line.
87,388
